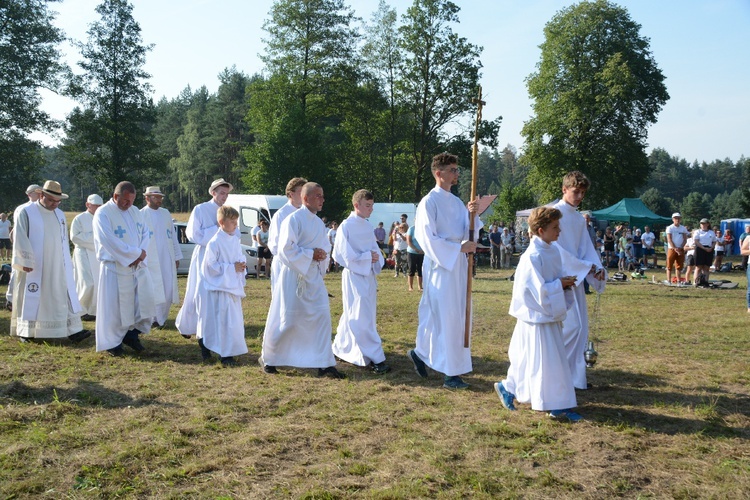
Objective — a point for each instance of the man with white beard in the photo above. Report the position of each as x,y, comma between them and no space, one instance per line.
164,252
85,265
46,302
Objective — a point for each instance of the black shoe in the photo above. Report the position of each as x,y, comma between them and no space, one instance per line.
187,337
88,317
454,382
24,340
78,337
271,370
331,371
131,340
205,352
419,365
380,368
9,306
116,351
228,361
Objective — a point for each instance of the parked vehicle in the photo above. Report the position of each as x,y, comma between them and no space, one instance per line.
252,208
187,247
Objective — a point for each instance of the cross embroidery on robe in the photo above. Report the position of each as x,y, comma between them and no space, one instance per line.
120,232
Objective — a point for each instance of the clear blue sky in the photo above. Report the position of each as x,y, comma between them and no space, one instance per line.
702,46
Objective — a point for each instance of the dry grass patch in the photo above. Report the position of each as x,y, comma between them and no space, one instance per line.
668,416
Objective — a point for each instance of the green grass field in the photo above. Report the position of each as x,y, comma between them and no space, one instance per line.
668,417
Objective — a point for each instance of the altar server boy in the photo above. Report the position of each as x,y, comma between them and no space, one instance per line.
356,250
221,327
539,372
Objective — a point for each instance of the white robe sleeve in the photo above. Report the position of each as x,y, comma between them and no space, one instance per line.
197,231
120,251
79,236
539,301
343,253
175,243
23,253
291,253
220,274
442,251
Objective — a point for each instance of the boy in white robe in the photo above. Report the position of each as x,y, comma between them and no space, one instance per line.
356,250
201,227
539,372
125,304
294,201
221,326
164,251
580,260
85,265
442,229
298,326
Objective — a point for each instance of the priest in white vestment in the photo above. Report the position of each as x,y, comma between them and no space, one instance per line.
221,326
164,253
125,304
579,259
201,227
46,304
294,201
357,340
442,229
539,372
32,192
85,265
298,326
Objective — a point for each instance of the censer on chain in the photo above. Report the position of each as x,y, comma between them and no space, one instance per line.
590,354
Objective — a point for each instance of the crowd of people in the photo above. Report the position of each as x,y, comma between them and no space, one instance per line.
122,275
690,254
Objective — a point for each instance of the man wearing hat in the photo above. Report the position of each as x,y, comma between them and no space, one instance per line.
676,238
33,194
85,265
201,227
164,253
125,303
46,301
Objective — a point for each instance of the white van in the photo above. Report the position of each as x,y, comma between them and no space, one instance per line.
253,207
388,213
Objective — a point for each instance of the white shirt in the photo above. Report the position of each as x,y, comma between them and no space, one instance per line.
648,239
679,233
705,238
5,229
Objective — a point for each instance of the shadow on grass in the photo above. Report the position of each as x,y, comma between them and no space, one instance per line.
634,400
85,394
631,419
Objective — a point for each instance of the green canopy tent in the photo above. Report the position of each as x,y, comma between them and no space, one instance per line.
632,211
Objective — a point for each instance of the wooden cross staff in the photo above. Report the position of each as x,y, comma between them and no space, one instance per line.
474,156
